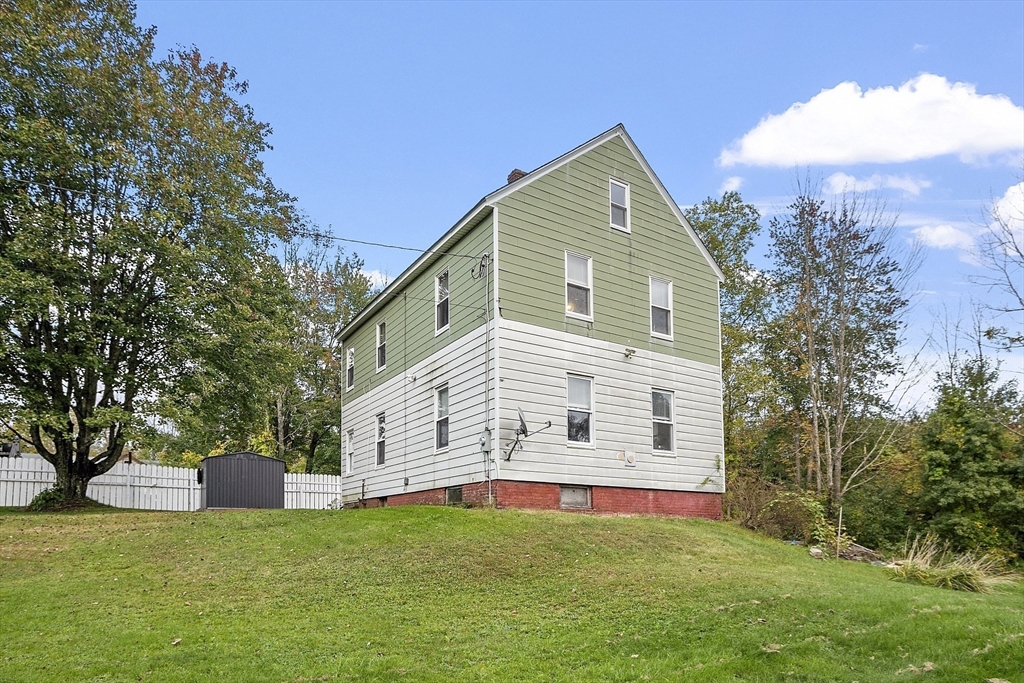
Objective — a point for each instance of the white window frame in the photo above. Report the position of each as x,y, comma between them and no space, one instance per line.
378,346
350,450
657,420
350,365
589,286
379,440
627,207
438,418
438,300
593,413
671,312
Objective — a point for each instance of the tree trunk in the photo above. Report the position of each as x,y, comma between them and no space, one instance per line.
280,428
314,439
796,458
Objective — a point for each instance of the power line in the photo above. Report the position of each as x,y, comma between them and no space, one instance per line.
324,236
311,234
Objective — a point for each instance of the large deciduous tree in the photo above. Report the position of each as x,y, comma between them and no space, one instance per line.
728,227
135,219
840,297
328,290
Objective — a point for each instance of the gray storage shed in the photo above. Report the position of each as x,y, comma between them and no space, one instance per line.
241,480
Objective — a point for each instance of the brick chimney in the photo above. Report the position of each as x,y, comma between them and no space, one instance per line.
515,175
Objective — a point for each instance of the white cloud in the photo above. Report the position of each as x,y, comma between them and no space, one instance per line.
923,118
1010,207
944,236
378,279
837,183
731,184
918,47
1008,210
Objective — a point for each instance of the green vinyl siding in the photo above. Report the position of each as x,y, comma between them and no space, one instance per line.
409,313
568,209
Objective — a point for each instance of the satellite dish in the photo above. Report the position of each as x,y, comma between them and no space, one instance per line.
523,430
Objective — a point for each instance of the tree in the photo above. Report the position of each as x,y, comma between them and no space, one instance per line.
328,291
1001,251
973,480
839,304
135,221
728,227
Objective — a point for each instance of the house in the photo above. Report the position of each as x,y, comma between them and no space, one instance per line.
577,297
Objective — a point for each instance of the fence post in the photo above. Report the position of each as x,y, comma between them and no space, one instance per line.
128,485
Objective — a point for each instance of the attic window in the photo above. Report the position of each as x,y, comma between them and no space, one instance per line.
350,368
618,199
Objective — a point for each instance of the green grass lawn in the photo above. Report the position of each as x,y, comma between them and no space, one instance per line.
443,594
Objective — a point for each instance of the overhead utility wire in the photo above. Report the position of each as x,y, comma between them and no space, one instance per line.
324,236
311,234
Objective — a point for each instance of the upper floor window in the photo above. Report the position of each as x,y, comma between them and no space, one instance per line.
441,302
578,279
580,403
441,418
380,440
350,368
661,307
662,417
618,199
382,355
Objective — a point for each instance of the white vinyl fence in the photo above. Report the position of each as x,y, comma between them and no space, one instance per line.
152,487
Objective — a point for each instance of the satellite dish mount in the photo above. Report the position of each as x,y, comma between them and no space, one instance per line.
522,432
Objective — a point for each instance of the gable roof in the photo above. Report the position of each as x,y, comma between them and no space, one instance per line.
483,208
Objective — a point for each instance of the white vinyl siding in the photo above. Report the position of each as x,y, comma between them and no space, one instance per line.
663,421
579,278
618,204
533,364
409,399
580,414
661,308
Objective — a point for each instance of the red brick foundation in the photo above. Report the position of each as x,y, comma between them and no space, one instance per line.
536,496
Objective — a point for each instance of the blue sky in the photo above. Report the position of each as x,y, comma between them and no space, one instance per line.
392,119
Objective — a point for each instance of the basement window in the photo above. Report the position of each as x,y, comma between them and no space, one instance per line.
577,497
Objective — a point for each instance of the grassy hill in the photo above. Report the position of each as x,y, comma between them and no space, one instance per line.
442,594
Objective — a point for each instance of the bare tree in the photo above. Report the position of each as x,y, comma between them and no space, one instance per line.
1001,252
